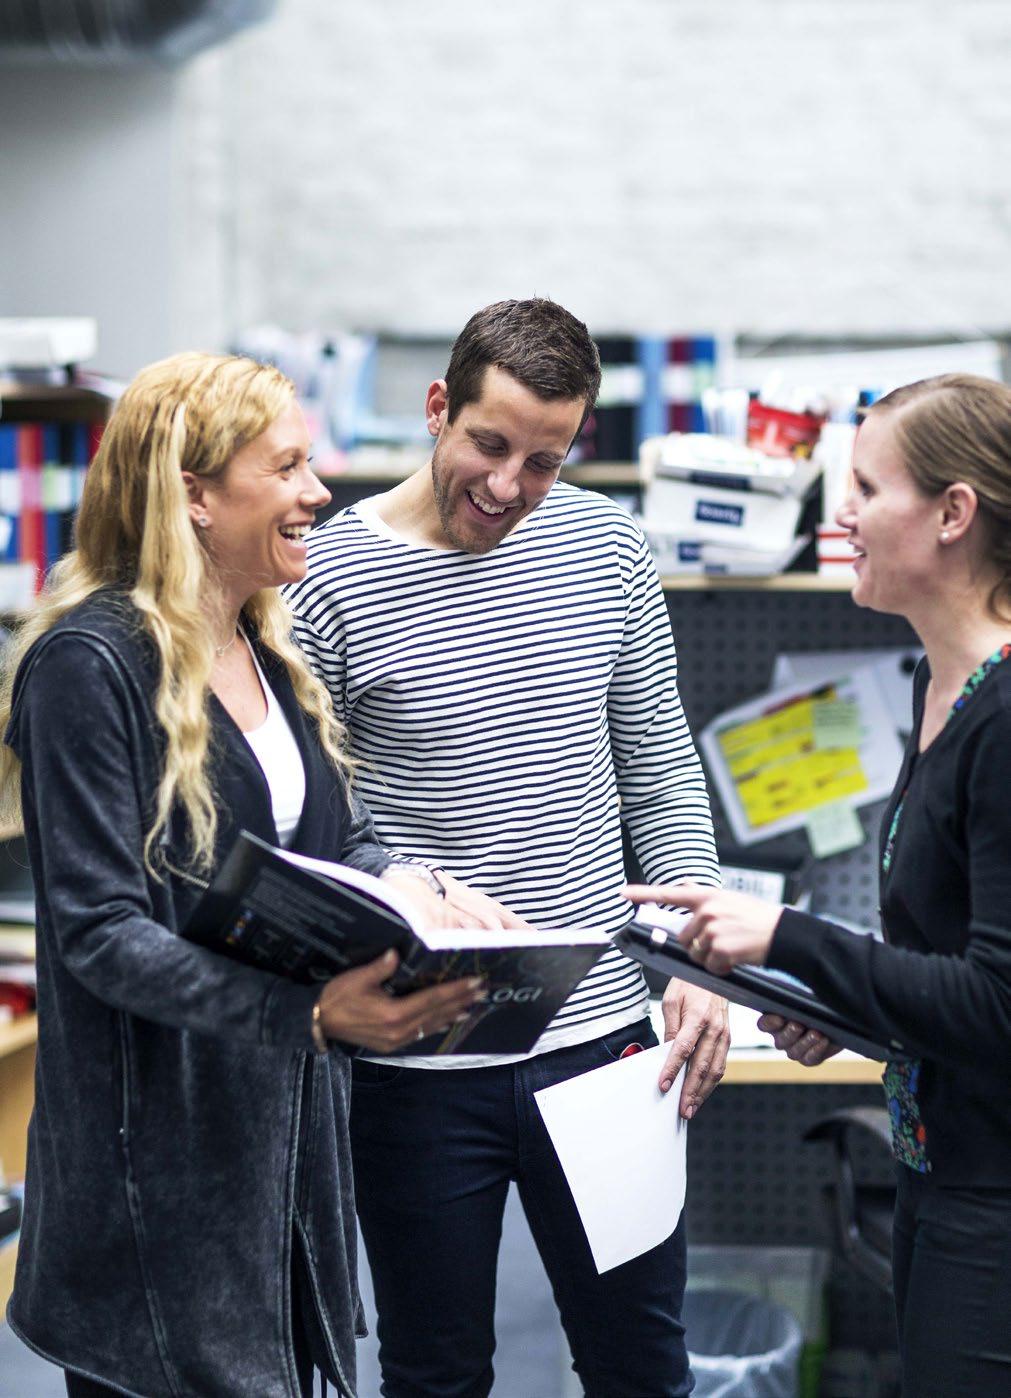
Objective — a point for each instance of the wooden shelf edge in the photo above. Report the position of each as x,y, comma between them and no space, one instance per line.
620,474
18,1033
777,582
759,1067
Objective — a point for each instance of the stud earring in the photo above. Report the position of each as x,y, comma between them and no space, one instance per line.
203,521
945,536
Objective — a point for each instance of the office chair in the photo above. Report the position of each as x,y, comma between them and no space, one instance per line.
861,1212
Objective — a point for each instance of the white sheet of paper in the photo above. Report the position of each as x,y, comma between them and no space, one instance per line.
621,1143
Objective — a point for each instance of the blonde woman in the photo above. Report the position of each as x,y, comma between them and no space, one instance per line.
930,519
188,1221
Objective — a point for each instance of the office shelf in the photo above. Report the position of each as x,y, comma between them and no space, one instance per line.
17,1073
28,402
771,1066
778,582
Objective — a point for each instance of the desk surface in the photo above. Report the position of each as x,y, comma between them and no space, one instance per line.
771,1066
768,1065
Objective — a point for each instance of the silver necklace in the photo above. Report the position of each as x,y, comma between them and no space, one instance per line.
219,651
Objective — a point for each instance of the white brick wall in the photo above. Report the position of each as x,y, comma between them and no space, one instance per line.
767,166
821,166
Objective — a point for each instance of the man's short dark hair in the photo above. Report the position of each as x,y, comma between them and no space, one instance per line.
541,344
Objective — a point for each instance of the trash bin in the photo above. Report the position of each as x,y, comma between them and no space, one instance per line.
740,1346
792,1277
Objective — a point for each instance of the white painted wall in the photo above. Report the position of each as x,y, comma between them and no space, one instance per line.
766,166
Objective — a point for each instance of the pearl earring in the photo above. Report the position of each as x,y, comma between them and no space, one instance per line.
945,536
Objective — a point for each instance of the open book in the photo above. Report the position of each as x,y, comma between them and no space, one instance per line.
652,940
309,919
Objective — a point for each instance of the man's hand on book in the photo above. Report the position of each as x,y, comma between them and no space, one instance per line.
428,909
469,908
803,1045
697,1029
355,1008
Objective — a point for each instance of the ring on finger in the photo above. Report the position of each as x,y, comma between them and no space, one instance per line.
420,1034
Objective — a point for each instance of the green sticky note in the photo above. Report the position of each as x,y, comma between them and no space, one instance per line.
836,724
834,828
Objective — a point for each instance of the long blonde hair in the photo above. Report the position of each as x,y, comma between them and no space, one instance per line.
191,412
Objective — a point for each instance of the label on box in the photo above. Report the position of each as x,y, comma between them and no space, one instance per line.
714,512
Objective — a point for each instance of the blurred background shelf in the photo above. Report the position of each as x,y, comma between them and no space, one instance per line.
17,1075
15,1035
777,582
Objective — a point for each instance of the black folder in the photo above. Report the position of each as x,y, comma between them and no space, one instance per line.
756,987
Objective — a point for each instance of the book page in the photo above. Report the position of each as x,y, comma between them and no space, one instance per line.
380,892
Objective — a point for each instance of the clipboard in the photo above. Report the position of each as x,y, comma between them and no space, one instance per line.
756,987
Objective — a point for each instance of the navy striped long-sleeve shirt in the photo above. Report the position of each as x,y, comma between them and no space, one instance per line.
505,707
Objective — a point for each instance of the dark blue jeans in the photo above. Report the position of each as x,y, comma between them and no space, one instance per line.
951,1258
434,1152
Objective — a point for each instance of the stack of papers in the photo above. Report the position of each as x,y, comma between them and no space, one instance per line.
46,342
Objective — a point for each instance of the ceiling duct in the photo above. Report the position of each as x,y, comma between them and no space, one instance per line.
118,32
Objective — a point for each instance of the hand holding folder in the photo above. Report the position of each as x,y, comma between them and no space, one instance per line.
710,947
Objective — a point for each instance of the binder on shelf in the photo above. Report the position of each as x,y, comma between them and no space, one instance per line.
310,919
611,430
31,539
10,492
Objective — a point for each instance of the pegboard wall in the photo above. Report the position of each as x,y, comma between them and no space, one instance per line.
753,1180
727,642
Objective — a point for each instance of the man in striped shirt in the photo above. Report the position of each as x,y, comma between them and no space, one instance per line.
498,644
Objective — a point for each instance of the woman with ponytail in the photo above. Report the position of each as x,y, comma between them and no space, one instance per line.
188,1225
929,517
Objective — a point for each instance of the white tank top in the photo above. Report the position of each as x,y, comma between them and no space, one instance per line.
275,749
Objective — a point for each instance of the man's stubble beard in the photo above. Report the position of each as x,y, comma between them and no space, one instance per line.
444,508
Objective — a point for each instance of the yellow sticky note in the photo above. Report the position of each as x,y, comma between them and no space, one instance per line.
833,828
836,724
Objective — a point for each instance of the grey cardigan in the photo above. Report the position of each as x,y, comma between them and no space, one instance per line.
184,1137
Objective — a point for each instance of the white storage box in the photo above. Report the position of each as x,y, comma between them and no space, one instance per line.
741,518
